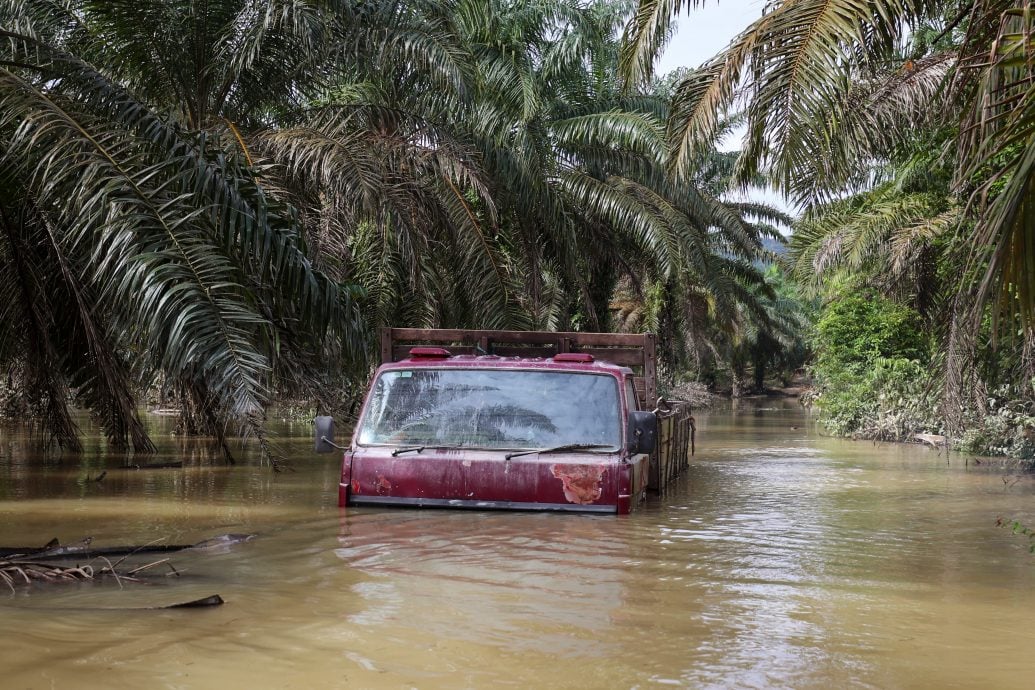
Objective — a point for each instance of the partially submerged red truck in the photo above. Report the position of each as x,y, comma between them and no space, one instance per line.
512,420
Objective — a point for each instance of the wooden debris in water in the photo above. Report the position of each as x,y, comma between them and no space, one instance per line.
31,566
933,440
214,600
19,571
23,566
83,548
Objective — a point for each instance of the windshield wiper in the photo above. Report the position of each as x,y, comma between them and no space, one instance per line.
399,451
559,449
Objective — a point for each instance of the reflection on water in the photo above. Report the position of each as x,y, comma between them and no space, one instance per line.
782,559
493,577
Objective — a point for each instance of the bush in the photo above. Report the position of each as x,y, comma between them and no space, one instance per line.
892,401
1008,429
856,331
872,370
874,380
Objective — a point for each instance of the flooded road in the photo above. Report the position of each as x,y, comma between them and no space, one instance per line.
782,559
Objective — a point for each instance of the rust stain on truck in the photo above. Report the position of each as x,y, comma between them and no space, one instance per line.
582,483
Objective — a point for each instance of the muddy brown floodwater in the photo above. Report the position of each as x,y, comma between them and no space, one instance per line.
782,559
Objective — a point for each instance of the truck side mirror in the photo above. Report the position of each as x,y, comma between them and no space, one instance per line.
643,432
324,435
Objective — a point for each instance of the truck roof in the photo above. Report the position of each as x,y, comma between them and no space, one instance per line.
612,353
500,362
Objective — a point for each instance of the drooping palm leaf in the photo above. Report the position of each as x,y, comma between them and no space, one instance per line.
1000,152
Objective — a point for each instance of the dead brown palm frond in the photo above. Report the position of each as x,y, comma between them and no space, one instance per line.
907,244
882,237
964,388
703,98
828,253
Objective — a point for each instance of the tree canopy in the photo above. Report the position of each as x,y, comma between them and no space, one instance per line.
228,197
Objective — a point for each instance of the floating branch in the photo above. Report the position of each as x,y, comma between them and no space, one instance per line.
54,550
24,566
22,571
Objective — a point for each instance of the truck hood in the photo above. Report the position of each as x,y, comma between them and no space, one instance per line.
468,477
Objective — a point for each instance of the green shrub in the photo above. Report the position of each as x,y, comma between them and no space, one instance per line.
855,331
892,401
872,370
1008,429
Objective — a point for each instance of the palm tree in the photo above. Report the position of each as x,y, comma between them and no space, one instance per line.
896,238
830,91
224,195
134,241
579,169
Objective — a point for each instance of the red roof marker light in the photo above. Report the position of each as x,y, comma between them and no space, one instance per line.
582,357
429,353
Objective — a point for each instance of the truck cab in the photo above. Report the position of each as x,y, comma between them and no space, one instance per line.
488,431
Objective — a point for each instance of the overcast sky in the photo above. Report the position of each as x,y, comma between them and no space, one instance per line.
700,34
704,31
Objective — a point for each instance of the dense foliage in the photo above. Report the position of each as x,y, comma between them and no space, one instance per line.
905,130
859,330
872,369
221,201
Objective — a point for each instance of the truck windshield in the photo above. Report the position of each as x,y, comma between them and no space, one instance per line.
492,408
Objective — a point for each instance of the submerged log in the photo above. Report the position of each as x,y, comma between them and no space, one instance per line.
19,567
214,600
54,550
933,440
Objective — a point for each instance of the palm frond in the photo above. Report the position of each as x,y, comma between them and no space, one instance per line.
646,33
1001,152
